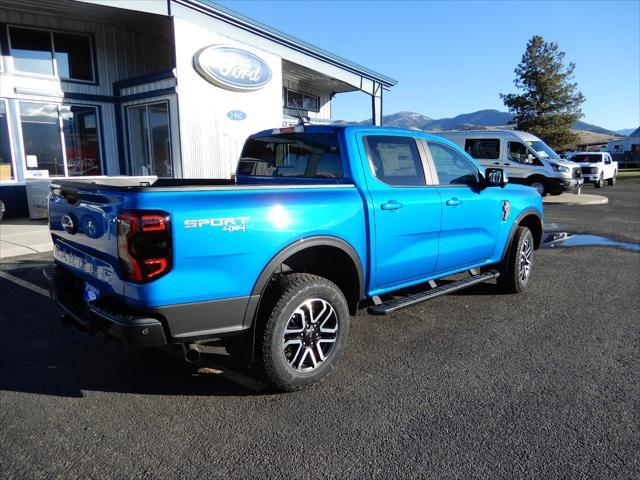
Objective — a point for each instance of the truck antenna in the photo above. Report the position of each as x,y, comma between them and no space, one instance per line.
300,117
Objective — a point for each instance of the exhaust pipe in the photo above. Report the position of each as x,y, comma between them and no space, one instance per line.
191,352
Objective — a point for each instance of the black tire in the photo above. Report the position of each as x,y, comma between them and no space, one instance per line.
298,296
599,183
612,180
1,210
540,185
512,279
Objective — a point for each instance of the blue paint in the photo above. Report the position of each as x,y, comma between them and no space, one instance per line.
237,115
232,68
397,248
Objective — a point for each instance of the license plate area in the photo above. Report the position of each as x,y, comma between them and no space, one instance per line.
90,293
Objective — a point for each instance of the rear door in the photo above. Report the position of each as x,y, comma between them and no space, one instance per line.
406,212
84,228
470,214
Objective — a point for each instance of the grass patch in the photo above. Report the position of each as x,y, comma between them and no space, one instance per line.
629,173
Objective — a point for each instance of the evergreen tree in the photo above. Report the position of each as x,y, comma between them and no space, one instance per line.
549,102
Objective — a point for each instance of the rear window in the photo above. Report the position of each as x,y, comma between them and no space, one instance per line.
302,155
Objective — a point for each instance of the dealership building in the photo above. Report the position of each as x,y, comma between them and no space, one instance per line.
170,88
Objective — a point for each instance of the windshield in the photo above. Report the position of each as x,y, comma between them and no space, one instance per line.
302,155
543,150
586,158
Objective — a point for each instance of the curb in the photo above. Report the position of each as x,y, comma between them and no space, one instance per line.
573,199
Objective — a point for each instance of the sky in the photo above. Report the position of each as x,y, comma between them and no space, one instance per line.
453,57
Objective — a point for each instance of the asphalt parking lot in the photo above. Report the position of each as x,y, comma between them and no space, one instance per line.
545,384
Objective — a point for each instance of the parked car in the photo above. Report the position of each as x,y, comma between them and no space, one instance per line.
526,158
597,167
319,221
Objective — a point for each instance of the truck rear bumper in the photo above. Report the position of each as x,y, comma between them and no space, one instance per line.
149,326
128,327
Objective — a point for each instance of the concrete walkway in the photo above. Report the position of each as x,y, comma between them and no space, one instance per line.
22,236
573,199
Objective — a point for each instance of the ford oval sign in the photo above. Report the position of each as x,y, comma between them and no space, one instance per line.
232,68
237,115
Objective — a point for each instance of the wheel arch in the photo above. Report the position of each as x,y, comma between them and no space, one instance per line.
531,219
327,256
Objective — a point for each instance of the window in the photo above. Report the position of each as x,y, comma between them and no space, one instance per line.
303,101
62,139
65,55
451,166
6,162
150,139
483,148
306,155
518,152
395,160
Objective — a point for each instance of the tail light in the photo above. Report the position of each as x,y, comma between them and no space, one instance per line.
144,245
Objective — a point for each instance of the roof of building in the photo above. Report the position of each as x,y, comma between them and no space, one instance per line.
635,133
273,34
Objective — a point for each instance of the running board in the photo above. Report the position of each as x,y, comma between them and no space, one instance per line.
410,300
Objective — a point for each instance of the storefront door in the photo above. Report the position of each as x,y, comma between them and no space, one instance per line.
150,139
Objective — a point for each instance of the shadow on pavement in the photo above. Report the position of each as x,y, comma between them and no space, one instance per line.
38,355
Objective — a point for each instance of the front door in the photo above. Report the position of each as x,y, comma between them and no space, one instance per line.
150,139
470,215
406,212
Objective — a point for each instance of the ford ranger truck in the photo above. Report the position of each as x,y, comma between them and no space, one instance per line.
319,221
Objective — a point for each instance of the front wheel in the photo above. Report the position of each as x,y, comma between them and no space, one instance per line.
515,271
600,182
305,333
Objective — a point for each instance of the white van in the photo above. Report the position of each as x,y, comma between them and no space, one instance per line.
526,158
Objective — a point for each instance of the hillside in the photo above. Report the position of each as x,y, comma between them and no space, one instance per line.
489,118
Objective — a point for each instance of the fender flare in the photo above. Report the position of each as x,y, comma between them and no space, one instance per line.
299,245
514,227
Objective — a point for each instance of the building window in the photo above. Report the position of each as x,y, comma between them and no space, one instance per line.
6,161
62,139
303,101
41,52
150,139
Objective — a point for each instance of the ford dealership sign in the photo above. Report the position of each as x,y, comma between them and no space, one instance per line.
232,68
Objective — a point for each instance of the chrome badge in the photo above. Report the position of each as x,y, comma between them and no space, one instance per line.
506,210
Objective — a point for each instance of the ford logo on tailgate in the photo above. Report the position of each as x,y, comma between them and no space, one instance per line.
232,68
68,224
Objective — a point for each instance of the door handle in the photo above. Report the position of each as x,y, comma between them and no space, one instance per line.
454,202
391,205
506,164
496,163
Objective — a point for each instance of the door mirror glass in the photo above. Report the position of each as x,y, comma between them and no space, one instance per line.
495,177
529,158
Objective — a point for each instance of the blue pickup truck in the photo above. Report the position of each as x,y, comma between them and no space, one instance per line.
319,221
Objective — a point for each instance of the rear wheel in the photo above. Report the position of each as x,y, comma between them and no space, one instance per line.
305,333
515,271
612,180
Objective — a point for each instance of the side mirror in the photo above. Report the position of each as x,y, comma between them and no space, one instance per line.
529,158
495,177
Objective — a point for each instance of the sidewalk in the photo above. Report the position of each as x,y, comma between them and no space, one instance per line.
22,236
573,199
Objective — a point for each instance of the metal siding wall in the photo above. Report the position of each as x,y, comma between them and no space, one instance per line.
211,143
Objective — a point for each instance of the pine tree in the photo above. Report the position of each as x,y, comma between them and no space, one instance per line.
549,102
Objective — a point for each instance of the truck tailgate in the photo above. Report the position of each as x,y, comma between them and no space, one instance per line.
84,229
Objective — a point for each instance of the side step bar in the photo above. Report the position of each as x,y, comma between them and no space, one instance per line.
410,300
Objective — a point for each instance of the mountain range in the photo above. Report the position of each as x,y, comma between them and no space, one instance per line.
480,119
